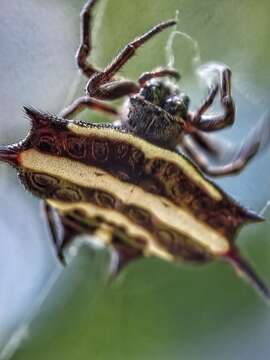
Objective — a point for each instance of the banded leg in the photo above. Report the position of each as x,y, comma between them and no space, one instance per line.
219,121
102,86
86,102
86,41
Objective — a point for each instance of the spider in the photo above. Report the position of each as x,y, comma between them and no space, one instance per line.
156,109
128,182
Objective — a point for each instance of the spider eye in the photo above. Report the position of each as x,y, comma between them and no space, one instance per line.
185,100
177,105
151,93
155,91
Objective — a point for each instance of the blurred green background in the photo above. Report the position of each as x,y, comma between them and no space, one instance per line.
154,310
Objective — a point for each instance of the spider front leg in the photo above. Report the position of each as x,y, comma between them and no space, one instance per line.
220,121
158,74
86,102
205,105
103,86
86,41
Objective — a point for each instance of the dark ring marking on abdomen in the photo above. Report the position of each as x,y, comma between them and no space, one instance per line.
180,245
68,194
39,184
99,149
173,241
174,184
138,215
104,199
75,147
121,151
46,141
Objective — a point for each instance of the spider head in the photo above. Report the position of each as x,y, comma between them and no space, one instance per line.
167,96
157,113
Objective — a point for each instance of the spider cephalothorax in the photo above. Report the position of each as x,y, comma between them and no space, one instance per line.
128,183
158,113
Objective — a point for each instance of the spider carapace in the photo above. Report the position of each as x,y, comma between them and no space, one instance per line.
129,183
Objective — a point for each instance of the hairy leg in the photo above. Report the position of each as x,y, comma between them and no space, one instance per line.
157,74
205,105
218,121
241,158
257,140
86,102
86,41
102,85
210,144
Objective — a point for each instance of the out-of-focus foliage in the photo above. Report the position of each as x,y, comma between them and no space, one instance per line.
154,310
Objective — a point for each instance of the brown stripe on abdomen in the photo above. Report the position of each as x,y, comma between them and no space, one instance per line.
161,177
177,244
77,222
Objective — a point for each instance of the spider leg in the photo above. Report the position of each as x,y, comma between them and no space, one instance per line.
102,86
118,88
122,255
64,228
216,122
158,73
258,139
239,162
86,41
205,105
211,145
114,89
60,234
86,102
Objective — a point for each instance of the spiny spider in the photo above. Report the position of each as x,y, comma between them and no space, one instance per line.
156,109
128,183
